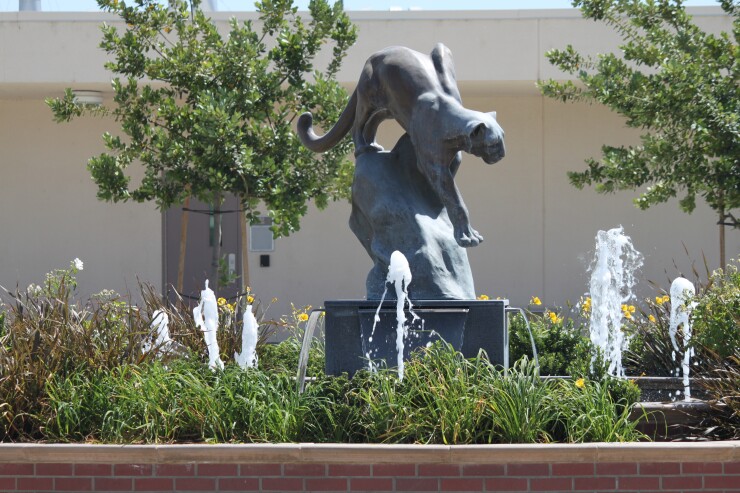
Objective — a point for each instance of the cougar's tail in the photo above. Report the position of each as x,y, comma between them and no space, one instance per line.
332,137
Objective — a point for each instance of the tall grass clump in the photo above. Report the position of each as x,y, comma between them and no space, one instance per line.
184,402
588,411
46,332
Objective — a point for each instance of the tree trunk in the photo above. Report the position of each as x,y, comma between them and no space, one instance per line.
722,260
216,250
245,251
183,246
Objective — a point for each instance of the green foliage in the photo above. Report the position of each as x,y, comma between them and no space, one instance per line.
679,85
591,411
716,317
723,386
48,333
206,114
443,398
184,401
558,343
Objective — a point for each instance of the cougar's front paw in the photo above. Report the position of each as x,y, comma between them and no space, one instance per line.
467,237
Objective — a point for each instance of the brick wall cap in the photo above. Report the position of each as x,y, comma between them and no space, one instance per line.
365,454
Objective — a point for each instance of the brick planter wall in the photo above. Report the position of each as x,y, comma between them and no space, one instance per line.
640,467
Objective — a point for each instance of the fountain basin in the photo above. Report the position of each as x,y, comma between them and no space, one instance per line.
468,325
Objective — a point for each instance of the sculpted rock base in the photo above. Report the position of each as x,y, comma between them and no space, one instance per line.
394,208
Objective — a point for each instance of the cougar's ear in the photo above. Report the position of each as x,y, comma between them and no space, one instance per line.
478,131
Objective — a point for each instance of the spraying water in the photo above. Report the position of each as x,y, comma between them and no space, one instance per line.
160,323
682,291
250,334
612,279
206,318
399,274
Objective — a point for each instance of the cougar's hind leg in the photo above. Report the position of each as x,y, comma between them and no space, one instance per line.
371,129
360,136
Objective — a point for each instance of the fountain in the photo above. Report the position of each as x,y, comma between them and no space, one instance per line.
682,292
610,286
162,341
405,205
250,334
206,318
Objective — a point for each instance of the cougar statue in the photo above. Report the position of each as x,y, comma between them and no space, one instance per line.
420,92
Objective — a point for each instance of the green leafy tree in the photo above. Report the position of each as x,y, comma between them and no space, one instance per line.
207,114
679,85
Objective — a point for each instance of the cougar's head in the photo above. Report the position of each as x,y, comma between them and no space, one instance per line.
486,138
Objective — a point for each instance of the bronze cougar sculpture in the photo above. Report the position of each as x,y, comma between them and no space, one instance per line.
420,92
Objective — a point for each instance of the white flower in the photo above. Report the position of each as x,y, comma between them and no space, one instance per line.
77,264
34,289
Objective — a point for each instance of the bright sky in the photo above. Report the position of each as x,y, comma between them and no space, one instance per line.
237,5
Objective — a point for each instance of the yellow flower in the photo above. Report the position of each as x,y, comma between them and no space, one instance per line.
483,297
628,315
303,317
651,318
580,383
662,299
231,306
554,317
250,299
274,300
535,301
167,29
221,301
586,306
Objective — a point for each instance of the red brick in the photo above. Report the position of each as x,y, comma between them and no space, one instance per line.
718,482
371,484
638,483
349,470
701,468
175,470
261,470
660,468
506,484
35,483
682,482
616,468
461,484
282,484
221,470
132,470
195,484
732,467
484,470
528,470
93,469
576,469
114,484
73,484
153,484
326,484
417,484
304,470
394,469
597,483
439,470
551,484
54,469
238,484
7,484
11,469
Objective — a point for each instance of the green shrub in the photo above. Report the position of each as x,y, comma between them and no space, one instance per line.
558,342
716,317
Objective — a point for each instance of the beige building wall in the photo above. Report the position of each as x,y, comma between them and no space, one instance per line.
539,230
